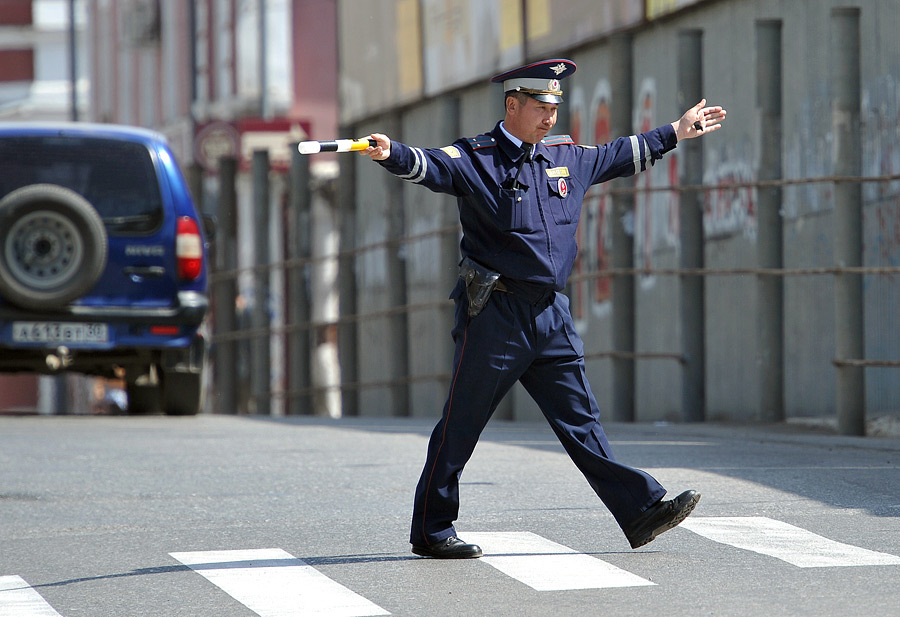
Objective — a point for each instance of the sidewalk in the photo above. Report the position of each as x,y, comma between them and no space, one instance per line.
885,436
812,431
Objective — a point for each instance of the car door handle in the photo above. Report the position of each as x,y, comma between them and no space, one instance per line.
139,272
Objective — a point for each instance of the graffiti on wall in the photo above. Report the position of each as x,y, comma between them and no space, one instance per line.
808,152
656,219
730,209
881,157
590,124
881,145
887,239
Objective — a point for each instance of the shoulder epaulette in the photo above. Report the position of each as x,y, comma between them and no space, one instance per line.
557,140
482,141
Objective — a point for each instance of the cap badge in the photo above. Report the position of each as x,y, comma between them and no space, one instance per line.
553,85
559,68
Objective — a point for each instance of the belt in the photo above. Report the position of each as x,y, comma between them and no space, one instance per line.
526,292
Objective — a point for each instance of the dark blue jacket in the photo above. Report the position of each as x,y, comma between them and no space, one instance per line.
525,232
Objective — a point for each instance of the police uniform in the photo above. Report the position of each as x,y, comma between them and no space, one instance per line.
519,212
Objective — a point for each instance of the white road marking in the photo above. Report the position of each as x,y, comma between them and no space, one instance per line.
274,583
19,599
547,566
794,545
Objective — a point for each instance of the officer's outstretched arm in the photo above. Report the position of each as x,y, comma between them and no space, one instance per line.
699,120
381,151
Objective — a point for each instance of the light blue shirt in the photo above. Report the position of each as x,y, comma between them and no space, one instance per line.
510,136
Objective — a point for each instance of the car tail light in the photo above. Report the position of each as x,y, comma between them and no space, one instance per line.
188,248
164,330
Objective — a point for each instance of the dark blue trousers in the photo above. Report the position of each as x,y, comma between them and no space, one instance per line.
512,340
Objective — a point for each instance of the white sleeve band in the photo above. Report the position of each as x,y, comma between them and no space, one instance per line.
418,171
636,153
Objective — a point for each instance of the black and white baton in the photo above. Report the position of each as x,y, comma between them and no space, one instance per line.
338,145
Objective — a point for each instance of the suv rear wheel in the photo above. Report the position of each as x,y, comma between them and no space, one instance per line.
175,388
182,393
143,399
52,246
178,394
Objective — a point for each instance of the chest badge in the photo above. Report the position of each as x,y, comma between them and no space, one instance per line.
558,172
562,187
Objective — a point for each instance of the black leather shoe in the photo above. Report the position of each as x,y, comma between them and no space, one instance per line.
661,516
451,548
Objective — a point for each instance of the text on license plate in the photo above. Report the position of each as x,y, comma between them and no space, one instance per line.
59,332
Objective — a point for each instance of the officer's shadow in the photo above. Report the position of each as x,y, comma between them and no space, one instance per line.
328,560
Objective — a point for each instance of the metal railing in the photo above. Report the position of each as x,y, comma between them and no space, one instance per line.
307,329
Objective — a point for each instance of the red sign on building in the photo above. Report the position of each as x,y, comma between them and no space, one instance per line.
242,137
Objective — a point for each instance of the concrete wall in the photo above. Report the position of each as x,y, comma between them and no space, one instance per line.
377,195
730,215
431,262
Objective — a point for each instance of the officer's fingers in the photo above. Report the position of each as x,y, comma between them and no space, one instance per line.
381,139
377,152
373,152
713,115
692,118
695,112
383,149
712,112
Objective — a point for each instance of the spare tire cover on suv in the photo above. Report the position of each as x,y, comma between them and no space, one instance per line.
52,246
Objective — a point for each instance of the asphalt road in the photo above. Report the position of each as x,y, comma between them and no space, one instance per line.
294,517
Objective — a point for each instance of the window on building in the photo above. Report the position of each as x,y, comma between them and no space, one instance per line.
16,64
15,12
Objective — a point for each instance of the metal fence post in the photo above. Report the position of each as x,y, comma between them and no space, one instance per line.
324,286
225,289
770,255
848,292
299,312
623,298
398,323
690,91
260,387
194,177
348,307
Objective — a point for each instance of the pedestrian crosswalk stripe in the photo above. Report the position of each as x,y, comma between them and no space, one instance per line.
18,599
794,545
274,583
547,566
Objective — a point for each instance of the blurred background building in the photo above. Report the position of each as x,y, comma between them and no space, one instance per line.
682,317
43,54
39,41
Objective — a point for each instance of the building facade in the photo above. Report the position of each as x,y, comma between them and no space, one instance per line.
216,76
37,84
637,60
230,76
36,79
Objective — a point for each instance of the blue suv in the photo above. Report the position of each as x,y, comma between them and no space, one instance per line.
102,261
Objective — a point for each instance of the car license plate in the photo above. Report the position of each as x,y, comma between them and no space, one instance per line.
59,332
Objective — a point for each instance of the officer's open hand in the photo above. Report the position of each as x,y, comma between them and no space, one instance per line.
699,120
381,151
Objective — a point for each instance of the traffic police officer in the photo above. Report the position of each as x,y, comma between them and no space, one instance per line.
519,194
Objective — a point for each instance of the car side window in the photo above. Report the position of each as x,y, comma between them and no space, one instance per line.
118,178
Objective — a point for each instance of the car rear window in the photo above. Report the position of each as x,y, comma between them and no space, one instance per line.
116,177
